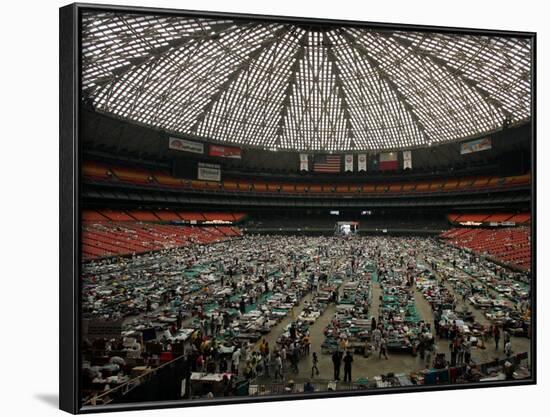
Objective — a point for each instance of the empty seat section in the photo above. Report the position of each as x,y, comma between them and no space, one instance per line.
259,187
381,188
409,187
95,170
368,188
230,185
164,178
473,218
480,182
342,188
288,188
508,245
218,216
450,185
315,189
191,216
395,188
423,186
93,216
238,216
133,175
436,186
167,215
521,218
146,216
498,217
124,238
117,215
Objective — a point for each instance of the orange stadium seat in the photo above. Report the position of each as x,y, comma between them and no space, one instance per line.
167,215
93,216
138,176
95,170
117,215
288,188
509,245
147,216
165,179
132,175
230,185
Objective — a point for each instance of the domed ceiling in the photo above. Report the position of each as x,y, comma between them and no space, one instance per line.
303,87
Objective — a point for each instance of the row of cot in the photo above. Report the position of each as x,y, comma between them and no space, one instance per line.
139,176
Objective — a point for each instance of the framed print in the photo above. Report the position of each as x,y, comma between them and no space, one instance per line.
263,208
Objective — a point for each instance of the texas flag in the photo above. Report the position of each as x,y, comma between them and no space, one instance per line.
388,161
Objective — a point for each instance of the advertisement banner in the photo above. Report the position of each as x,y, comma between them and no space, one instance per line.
209,172
185,145
475,146
224,151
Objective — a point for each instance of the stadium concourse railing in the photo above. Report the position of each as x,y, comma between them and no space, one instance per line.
123,389
96,173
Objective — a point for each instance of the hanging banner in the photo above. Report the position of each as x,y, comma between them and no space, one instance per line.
304,162
361,162
224,151
475,146
209,172
327,163
349,163
407,160
185,145
388,161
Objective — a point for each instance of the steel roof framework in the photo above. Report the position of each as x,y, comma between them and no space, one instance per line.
304,88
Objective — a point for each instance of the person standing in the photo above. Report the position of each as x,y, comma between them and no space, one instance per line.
506,338
467,351
348,359
315,363
278,367
383,349
496,335
235,360
377,336
508,349
336,362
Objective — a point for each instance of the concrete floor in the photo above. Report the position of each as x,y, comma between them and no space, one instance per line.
373,366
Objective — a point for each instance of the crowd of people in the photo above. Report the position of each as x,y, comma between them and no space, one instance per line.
220,302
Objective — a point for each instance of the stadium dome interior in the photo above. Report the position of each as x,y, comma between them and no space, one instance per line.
340,190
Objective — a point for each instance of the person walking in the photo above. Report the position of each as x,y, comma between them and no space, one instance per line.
383,349
508,349
377,336
496,335
348,359
314,364
278,367
506,338
467,346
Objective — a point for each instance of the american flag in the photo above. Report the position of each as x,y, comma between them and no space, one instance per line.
327,163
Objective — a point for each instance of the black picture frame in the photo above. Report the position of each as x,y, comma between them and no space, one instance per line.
70,203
